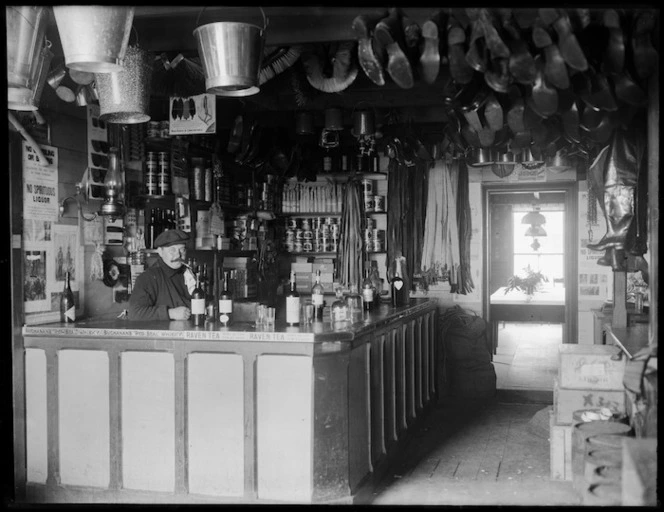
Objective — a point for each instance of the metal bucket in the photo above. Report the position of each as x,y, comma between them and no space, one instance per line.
231,54
94,37
28,99
124,97
26,26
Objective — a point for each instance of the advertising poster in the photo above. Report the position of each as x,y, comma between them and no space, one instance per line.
65,257
192,114
40,189
35,276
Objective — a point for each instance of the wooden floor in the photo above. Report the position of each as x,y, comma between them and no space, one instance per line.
487,452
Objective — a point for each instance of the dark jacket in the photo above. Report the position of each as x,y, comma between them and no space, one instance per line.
156,290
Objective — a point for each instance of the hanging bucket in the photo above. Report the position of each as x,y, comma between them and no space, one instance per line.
231,54
94,37
363,123
20,98
124,96
26,26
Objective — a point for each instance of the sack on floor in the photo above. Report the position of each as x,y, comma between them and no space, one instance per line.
477,383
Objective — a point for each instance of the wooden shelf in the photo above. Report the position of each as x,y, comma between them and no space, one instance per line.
311,214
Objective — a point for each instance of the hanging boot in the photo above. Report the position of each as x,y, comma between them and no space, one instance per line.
619,184
389,33
431,48
371,62
461,72
614,258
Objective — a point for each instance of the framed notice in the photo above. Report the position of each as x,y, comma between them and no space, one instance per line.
192,114
40,184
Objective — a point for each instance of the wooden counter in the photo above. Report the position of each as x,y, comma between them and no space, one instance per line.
150,412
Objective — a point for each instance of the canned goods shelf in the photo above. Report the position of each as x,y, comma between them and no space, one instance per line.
311,214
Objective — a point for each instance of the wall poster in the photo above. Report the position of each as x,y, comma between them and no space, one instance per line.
192,114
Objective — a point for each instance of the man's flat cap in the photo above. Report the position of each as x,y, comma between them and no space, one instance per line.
171,237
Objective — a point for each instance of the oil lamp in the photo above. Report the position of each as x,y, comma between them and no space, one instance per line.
113,206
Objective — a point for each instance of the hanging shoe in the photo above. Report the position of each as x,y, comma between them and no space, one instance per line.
628,91
555,69
476,56
497,47
461,72
570,119
614,55
544,96
370,62
515,111
493,113
600,96
497,75
388,33
568,44
541,36
430,48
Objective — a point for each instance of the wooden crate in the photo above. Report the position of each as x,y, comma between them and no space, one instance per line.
560,441
568,400
591,367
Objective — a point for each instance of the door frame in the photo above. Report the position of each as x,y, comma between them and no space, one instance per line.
571,191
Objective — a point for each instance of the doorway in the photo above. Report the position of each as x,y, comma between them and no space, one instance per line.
526,336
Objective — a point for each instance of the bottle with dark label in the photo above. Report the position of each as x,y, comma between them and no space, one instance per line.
292,303
368,291
398,287
151,231
317,298
226,302
198,303
67,304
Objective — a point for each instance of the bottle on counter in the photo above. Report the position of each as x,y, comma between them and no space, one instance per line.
339,309
226,301
377,282
398,288
198,303
67,303
368,291
292,303
210,298
354,303
151,231
317,297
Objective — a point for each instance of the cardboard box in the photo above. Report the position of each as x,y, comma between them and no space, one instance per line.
560,442
568,400
591,367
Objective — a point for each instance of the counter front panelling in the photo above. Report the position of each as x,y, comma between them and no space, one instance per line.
124,412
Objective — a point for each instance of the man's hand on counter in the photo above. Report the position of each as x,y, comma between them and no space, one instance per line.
179,313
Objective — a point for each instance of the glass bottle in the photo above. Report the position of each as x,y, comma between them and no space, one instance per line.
398,288
292,303
368,291
377,282
198,303
226,302
339,309
317,297
354,303
67,303
211,294
151,231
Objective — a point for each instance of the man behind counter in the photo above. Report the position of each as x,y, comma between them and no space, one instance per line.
161,292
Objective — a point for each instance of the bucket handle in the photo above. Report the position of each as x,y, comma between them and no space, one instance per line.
265,19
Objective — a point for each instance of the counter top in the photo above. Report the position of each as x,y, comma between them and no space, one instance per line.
546,297
629,339
240,331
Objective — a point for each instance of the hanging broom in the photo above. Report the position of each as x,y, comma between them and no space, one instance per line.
277,62
339,58
188,76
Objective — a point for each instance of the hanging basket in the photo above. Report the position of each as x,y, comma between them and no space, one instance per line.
28,99
94,37
124,96
231,54
26,27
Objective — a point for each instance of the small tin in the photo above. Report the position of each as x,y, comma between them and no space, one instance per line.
368,187
306,223
164,184
164,129
368,237
307,234
299,234
290,246
307,246
371,223
298,246
379,203
151,156
369,203
317,222
163,156
292,223
331,221
151,187
319,246
378,246
153,129
379,234
290,234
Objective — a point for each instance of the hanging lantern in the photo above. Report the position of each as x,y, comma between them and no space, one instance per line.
124,96
94,37
231,54
113,206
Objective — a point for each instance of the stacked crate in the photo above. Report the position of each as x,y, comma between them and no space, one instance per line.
589,377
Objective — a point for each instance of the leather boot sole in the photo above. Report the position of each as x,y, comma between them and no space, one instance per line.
429,63
398,65
369,60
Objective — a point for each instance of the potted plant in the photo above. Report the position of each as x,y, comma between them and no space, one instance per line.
528,284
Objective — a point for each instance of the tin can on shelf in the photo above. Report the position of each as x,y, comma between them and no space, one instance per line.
368,187
319,246
151,156
153,129
307,234
164,183
164,129
379,203
379,234
291,223
368,203
306,223
151,183
298,246
307,246
378,246
371,223
299,234
331,221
